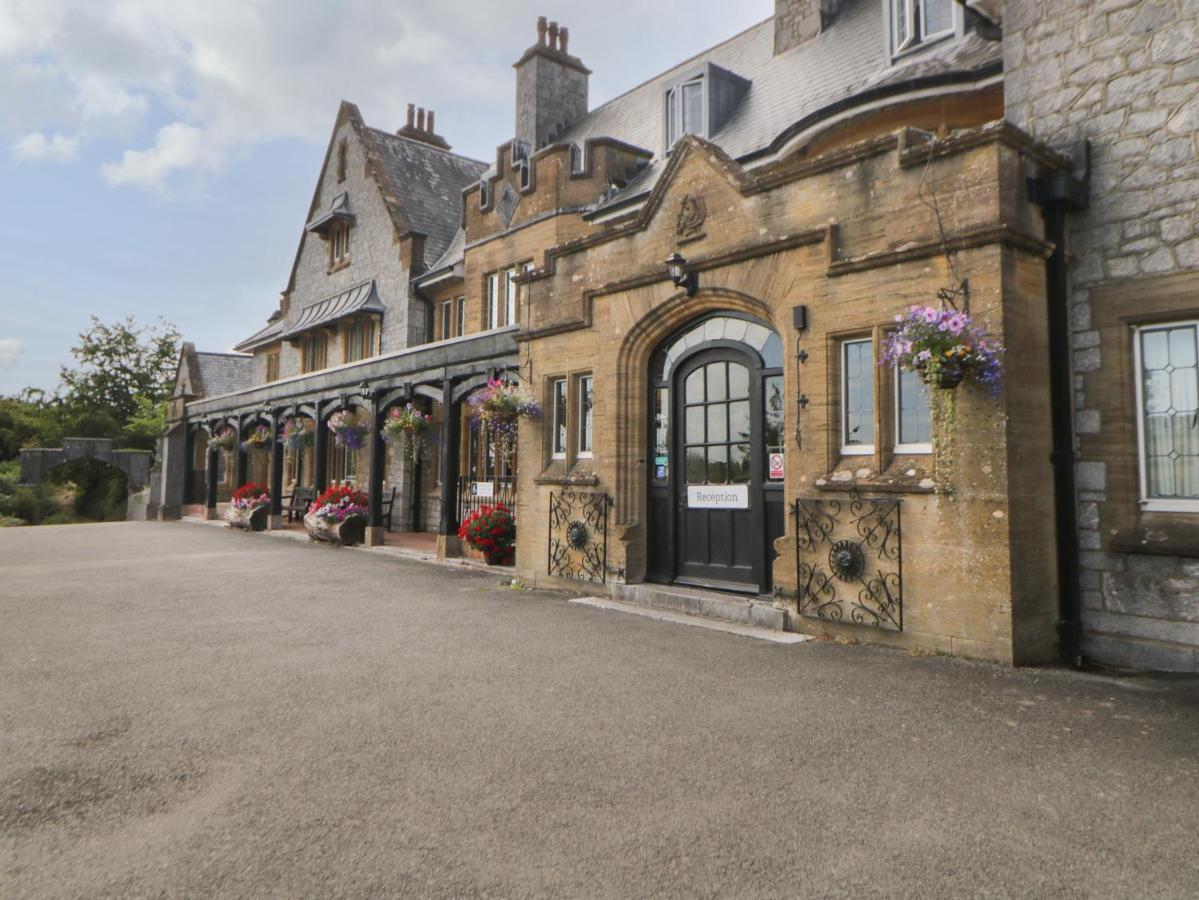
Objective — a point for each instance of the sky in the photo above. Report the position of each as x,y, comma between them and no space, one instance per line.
157,157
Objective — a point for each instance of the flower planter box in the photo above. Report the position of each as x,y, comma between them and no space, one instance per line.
248,519
344,534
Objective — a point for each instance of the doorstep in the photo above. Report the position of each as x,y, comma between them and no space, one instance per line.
773,635
704,608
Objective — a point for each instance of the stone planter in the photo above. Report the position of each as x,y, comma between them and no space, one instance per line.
500,557
248,519
344,534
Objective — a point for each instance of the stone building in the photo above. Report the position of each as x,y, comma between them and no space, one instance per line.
1123,77
696,280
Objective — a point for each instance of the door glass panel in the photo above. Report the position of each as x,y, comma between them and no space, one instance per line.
718,465
717,387
773,389
696,465
738,381
661,432
693,391
739,464
739,420
717,426
695,425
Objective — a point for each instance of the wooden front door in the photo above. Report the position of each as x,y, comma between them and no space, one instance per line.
717,459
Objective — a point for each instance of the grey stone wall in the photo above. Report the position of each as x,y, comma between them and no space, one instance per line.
374,253
1125,74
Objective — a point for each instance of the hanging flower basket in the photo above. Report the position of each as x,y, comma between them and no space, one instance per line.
492,531
259,439
338,516
944,347
349,429
225,439
296,436
498,409
250,507
412,425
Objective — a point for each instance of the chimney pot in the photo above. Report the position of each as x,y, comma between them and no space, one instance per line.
553,35
429,122
420,119
563,37
541,30
411,115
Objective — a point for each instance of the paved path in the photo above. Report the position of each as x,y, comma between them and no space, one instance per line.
186,711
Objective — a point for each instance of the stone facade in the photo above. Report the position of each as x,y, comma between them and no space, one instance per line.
374,254
1123,74
978,581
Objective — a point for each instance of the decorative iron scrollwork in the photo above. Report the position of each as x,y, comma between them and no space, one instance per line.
864,552
578,541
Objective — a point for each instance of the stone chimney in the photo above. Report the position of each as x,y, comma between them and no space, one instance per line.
419,127
551,87
798,21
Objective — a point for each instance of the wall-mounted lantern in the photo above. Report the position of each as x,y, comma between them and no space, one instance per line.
676,265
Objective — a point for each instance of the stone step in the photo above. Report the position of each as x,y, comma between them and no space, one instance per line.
734,608
666,615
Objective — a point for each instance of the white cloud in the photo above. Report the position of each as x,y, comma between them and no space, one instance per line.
37,147
187,86
11,350
179,147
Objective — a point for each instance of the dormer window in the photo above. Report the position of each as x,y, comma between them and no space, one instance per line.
685,111
701,102
334,229
339,245
916,22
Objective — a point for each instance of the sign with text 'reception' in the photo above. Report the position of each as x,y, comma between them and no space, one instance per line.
718,496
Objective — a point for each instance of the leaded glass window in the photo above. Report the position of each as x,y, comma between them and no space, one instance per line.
1168,426
857,397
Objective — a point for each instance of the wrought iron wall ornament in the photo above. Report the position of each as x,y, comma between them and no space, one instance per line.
850,560
692,213
578,535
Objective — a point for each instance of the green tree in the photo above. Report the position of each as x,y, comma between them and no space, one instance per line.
144,426
119,364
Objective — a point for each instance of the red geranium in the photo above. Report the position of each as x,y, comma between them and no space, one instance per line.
490,529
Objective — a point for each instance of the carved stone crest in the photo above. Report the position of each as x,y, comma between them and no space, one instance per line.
692,214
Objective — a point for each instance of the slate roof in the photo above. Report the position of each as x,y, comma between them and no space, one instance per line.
454,254
847,60
362,297
270,333
224,373
428,183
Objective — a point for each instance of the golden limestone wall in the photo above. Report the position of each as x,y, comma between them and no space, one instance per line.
854,237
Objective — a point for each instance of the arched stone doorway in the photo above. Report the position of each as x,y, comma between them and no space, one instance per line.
716,504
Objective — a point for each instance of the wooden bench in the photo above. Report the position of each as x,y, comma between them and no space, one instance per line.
386,506
297,504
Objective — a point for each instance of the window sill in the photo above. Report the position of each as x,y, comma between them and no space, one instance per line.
1160,534
557,473
903,477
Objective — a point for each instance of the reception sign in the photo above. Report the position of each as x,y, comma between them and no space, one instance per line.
718,496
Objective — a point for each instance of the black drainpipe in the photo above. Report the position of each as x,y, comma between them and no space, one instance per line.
1058,194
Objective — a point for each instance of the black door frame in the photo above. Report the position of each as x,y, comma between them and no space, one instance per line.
662,506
